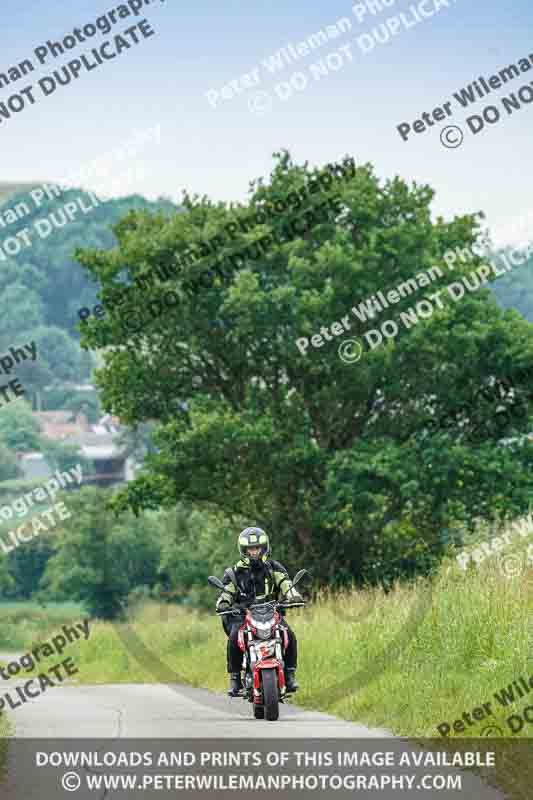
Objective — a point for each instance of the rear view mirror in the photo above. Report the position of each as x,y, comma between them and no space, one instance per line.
216,582
299,575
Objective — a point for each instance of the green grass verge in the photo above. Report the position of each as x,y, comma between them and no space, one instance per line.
471,635
6,729
406,661
24,623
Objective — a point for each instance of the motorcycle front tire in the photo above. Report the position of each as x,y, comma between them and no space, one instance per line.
270,694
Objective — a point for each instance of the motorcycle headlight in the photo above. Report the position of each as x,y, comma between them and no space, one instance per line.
263,629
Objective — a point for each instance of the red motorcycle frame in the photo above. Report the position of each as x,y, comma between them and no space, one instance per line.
263,659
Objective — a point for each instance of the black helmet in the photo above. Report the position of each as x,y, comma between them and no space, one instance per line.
253,537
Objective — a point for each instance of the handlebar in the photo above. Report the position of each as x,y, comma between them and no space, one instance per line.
238,611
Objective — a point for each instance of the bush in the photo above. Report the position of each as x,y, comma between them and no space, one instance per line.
9,467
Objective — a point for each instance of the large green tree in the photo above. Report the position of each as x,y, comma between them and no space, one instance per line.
97,560
26,565
194,545
337,459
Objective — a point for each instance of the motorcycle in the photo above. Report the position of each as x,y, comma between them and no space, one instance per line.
263,642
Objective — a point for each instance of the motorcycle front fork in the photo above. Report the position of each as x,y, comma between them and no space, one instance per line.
248,693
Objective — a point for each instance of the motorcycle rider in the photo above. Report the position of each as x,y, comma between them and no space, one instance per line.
258,578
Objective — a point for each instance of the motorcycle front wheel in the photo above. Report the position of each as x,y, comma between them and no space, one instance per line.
270,694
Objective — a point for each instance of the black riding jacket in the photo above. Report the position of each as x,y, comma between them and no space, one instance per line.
268,581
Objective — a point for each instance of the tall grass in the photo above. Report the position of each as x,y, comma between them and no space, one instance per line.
407,660
24,623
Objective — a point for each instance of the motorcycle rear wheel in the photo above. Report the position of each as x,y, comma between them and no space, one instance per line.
259,711
270,694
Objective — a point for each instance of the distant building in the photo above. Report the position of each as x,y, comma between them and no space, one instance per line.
107,458
60,425
97,443
33,466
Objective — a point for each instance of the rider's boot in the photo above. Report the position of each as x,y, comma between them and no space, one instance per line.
291,684
235,685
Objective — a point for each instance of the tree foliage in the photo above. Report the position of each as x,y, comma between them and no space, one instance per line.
194,545
9,468
337,460
98,560
19,429
25,566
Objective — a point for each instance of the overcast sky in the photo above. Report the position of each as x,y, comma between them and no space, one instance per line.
353,110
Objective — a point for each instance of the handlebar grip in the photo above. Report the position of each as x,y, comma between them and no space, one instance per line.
231,612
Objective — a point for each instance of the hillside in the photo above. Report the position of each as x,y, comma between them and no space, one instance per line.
43,286
515,290
8,188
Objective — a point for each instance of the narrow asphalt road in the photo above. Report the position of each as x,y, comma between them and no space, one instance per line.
156,711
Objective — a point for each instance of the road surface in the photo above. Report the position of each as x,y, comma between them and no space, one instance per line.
152,710
156,711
